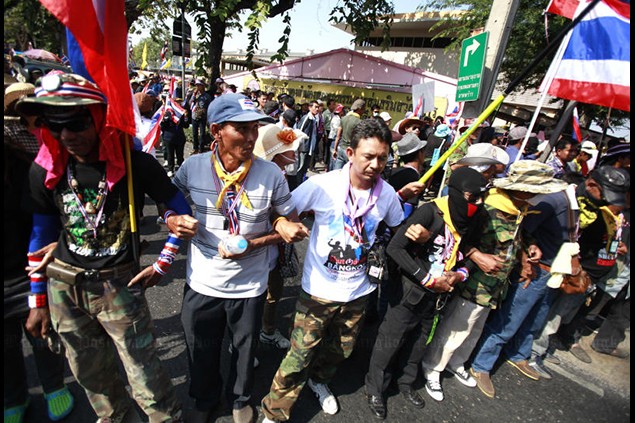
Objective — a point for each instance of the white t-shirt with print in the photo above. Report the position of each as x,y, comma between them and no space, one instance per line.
335,264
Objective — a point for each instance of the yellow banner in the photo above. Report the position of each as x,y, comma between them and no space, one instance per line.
397,104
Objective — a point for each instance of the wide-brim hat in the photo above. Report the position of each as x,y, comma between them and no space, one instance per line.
273,140
16,91
60,90
483,154
234,107
530,176
409,143
407,122
588,147
442,131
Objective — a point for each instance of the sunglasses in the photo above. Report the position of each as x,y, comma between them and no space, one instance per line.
77,124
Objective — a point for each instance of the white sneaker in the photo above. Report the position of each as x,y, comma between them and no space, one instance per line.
327,400
433,388
276,339
464,377
268,420
170,174
165,163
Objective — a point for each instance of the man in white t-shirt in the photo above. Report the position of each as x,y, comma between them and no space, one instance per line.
234,194
348,205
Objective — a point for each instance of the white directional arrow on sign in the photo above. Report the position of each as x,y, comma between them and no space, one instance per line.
471,49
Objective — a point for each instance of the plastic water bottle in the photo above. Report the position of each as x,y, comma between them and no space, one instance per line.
235,244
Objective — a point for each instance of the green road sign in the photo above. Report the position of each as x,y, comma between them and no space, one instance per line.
471,67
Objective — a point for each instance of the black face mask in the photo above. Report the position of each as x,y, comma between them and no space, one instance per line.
461,211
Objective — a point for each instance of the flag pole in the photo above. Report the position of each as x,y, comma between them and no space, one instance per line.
511,87
134,239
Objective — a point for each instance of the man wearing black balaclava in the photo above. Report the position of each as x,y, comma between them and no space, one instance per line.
430,267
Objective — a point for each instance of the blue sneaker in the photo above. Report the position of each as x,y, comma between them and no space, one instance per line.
59,403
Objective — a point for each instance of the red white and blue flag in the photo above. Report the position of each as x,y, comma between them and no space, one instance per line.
577,133
453,115
164,51
176,109
100,32
594,67
151,139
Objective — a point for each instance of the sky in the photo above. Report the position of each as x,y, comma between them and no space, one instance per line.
310,30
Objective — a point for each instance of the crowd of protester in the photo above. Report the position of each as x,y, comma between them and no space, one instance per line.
460,269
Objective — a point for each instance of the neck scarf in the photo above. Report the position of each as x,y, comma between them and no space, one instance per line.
234,179
354,212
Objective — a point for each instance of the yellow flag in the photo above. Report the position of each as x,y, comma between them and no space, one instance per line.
144,57
167,64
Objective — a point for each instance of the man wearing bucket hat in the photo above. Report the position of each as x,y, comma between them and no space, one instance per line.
510,331
235,195
81,249
466,314
602,199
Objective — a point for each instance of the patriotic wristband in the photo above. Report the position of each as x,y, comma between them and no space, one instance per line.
37,301
167,214
464,273
168,254
38,280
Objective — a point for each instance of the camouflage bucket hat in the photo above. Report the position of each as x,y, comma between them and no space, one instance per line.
530,176
59,91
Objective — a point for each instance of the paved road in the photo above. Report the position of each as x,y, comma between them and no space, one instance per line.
597,392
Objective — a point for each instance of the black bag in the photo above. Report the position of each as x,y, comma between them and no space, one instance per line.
288,261
376,265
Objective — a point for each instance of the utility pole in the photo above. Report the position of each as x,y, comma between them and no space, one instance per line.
499,25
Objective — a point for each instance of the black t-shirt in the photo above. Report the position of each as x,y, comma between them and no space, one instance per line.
403,176
77,244
17,232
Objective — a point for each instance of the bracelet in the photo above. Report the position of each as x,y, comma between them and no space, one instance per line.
168,254
273,225
429,285
38,280
167,214
37,301
464,273
401,197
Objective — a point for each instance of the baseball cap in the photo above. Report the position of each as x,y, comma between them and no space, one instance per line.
615,182
588,147
358,104
385,116
233,107
518,132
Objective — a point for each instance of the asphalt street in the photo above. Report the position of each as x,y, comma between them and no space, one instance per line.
579,392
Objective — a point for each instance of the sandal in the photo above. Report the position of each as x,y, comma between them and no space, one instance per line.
59,403
16,414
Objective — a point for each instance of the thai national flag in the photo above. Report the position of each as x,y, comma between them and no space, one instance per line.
177,110
593,63
100,31
577,133
153,136
454,113
164,51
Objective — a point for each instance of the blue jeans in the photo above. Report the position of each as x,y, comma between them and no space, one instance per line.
509,328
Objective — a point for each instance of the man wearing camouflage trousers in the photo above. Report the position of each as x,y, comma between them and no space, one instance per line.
81,250
335,287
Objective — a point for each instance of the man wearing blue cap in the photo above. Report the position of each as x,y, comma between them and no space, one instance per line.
233,195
